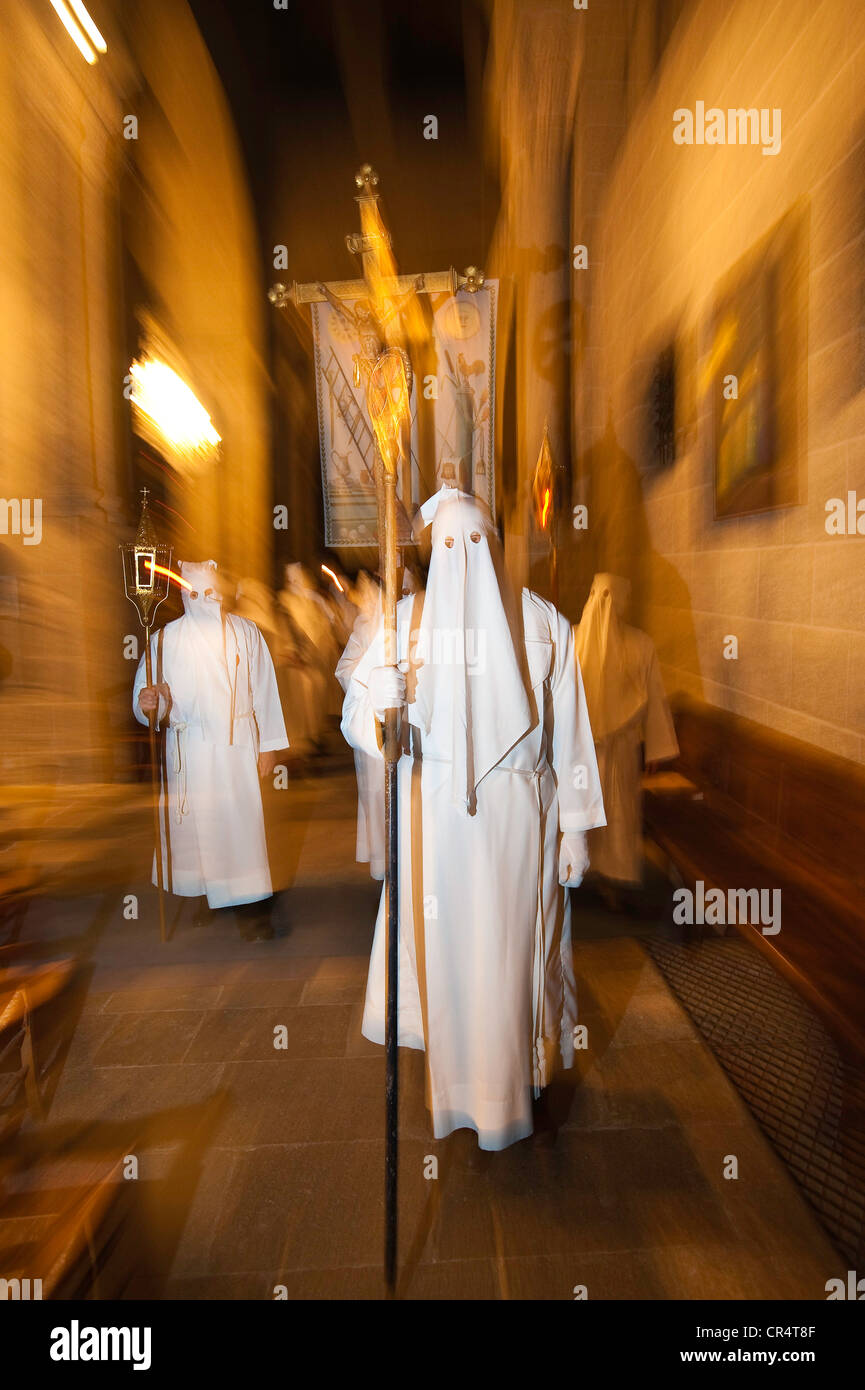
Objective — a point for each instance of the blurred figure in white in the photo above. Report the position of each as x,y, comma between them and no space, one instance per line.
370,770
311,628
411,581
257,602
216,687
497,787
338,593
631,720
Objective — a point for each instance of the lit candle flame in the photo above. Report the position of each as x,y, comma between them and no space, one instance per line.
334,578
160,569
545,509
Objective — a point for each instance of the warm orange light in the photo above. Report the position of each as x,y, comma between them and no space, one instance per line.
79,9
62,10
166,400
381,273
334,578
160,569
545,509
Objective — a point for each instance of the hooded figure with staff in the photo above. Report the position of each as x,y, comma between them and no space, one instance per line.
498,787
216,693
386,318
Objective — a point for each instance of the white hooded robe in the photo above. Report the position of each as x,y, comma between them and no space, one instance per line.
369,770
224,711
502,759
630,718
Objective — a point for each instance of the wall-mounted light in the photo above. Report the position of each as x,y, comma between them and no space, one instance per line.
80,27
165,401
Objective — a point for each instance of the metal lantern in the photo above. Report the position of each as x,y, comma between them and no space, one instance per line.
146,567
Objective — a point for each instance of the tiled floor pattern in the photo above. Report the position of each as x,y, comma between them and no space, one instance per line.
261,1168
787,1068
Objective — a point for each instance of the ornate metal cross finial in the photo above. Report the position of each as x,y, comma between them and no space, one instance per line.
366,179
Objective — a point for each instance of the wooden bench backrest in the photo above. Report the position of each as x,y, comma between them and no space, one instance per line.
811,799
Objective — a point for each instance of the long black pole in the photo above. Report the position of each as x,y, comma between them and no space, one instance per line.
391,1024
391,889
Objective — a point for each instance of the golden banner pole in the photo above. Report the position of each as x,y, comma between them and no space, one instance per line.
385,314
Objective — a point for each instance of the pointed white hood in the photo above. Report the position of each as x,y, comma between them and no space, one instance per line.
203,634
468,650
612,697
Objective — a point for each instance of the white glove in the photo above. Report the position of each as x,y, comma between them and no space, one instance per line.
573,858
386,689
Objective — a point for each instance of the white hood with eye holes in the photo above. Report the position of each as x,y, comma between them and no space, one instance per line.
470,668
204,635
203,601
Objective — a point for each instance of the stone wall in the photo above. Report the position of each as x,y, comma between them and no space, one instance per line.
664,224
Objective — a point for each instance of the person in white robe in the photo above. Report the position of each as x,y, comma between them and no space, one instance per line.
497,788
631,720
216,695
256,601
369,769
314,688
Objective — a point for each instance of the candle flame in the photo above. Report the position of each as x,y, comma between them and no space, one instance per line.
160,569
334,578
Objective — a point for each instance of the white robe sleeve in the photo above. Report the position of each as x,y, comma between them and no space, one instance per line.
581,803
265,696
354,649
359,726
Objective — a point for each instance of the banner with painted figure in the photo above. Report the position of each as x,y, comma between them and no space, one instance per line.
452,407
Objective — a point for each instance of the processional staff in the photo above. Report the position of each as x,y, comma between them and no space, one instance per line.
146,576
382,304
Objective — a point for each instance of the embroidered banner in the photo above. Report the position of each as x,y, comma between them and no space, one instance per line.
452,408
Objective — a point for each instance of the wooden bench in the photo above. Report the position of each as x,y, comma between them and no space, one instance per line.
77,1242
769,811
24,991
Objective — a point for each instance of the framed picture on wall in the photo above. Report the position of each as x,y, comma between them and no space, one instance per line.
756,373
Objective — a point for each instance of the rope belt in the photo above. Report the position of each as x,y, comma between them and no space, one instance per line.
180,802
180,731
539,965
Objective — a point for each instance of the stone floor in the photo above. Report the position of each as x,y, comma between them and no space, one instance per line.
261,1167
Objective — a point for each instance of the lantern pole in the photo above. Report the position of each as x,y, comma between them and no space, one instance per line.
146,566
154,784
